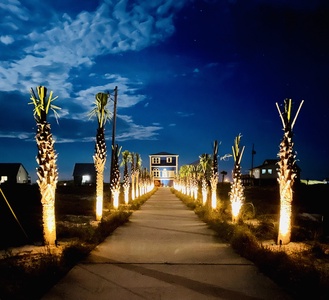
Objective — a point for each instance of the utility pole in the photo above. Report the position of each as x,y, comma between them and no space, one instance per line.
113,136
253,152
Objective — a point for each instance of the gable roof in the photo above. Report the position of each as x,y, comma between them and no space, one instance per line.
163,153
10,169
272,162
84,169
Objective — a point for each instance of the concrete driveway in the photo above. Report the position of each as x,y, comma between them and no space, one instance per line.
164,252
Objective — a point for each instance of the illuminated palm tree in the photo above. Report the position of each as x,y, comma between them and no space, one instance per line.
137,172
237,190
287,171
204,164
47,171
193,169
183,178
214,176
102,113
132,175
126,158
115,184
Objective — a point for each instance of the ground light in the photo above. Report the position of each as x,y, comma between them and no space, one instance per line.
99,207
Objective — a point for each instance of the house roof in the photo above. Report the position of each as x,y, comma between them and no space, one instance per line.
267,162
163,153
84,169
271,162
10,169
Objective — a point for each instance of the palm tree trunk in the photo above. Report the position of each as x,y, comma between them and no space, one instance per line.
99,162
99,192
47,180
286,179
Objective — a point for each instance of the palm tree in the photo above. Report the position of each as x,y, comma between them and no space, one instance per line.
183,177
287,171
237,189
204,164
103,114
137,172
214,176
132,175
194,181
126,158
47,171
115,184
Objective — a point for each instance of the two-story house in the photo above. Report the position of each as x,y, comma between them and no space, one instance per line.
163,168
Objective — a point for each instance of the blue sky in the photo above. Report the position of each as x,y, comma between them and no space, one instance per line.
188,73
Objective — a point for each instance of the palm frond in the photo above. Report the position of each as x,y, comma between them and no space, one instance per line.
42,104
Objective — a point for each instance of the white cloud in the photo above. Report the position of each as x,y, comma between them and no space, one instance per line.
59,140
6,39
19,135
128,94
184,114
16,8
137,132
54,48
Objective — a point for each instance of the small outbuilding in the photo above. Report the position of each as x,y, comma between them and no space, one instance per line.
12,173
84,174
267,173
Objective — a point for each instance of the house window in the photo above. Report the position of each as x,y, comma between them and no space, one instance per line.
155,160
3,179
156,173
164,173
263,171
85,179
169,160
269,171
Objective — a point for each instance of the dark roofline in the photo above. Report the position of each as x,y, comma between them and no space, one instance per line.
163,153
12,166
82,168
271,161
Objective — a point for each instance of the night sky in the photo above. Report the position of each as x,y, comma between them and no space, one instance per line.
188,73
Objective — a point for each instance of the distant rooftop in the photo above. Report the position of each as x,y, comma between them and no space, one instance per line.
163,153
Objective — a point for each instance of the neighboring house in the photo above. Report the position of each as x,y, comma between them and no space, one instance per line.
163,168
84,174
13,173
267,173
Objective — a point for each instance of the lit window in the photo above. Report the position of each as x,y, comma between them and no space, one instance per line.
3,179
169,159
155,160
269,171
156,173
85,179
263,171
